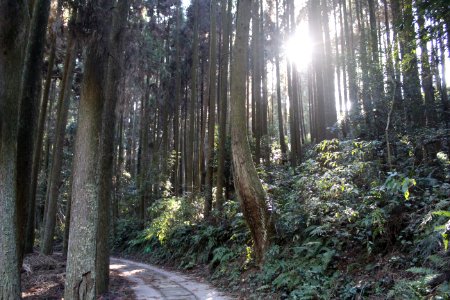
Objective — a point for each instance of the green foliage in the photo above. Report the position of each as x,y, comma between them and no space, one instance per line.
398,183
345,227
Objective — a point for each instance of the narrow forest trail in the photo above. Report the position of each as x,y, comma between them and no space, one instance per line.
155,283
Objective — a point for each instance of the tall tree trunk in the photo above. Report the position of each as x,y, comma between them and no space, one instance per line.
42,205
54,178
176,120
426,76
350,58
81,267
256,81
246,181
328,71
389,57
366,96
338,55
318,70
145,157
265,140
13,24
279,104
29,111
30,227
444,93
224,62
212,110
190,136
376,71
113,74
410,72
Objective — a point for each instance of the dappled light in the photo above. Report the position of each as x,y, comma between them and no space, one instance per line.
275,149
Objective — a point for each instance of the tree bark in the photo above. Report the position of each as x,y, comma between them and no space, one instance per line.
256,81
30,227
54,178
176,120
224,62
190,136
212,110
247,184
81,270
279,104
29,110
426,76
13,24
113,74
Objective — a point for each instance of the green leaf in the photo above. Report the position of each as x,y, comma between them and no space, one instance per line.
439,228
445,238
406,194
443,213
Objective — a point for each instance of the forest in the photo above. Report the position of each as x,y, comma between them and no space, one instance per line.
277,149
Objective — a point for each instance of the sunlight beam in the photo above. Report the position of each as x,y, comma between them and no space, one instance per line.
298,48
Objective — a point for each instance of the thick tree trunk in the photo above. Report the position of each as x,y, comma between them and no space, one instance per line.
13,24
81,270
246,181
107,142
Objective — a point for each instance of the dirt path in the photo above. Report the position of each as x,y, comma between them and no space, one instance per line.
155,283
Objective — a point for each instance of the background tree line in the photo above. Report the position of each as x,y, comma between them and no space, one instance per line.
106,107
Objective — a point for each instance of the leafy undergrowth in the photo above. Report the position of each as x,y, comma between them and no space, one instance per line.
348,226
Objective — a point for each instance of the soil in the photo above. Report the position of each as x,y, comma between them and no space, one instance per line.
43,278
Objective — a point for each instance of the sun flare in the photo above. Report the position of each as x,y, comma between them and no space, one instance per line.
299,48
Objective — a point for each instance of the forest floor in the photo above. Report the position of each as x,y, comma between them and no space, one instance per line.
43,278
